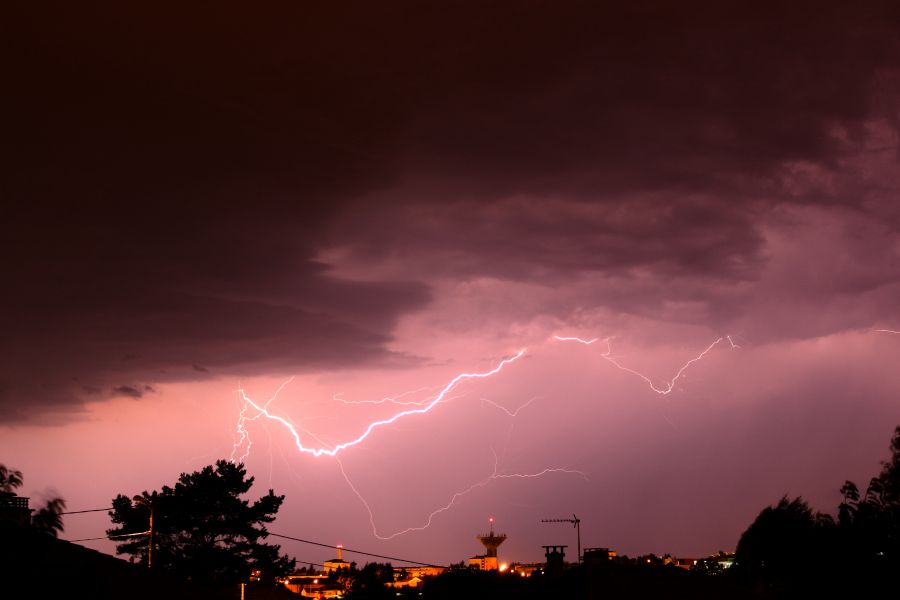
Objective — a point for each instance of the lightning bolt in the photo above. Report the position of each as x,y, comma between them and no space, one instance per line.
262,410
886,331
392,399
242,436
663,391
576,339
252,411
495,475
506,410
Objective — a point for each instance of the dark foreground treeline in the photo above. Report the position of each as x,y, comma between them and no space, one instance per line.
791,549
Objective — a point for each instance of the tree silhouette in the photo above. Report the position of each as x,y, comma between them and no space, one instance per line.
202,529
371,581
871,522
890,472
848,509
49,518
784,540
795,550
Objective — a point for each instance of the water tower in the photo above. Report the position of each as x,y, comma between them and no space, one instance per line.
491,542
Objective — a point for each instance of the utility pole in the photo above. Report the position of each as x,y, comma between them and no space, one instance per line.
150,541
576,522
141,500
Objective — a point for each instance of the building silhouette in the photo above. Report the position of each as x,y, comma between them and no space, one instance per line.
338,563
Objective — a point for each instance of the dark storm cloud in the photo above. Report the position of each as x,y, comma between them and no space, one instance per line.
550,239
127,390
174,174
654,140
658,153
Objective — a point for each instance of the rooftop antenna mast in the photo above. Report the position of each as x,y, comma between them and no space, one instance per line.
576,522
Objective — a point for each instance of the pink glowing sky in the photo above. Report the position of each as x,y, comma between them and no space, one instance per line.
376,200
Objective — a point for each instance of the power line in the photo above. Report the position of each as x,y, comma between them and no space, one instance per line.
302,562
278,535
78,512
414,562
111,537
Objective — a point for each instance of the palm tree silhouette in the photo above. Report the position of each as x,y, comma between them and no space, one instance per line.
10,480
49,519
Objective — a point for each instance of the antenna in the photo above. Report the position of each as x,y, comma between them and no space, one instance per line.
576,522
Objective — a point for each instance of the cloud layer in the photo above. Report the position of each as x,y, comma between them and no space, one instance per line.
196,193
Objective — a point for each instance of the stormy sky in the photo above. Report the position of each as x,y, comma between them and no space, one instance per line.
375,197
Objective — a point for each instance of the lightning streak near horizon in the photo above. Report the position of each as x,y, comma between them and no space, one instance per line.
663,391
495,475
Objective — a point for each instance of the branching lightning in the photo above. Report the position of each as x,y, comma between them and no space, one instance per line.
243,436
495,475
511,413
392,399
576,339
670,385
263,410
253,411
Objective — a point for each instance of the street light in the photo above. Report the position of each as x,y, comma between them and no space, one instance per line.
148,502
